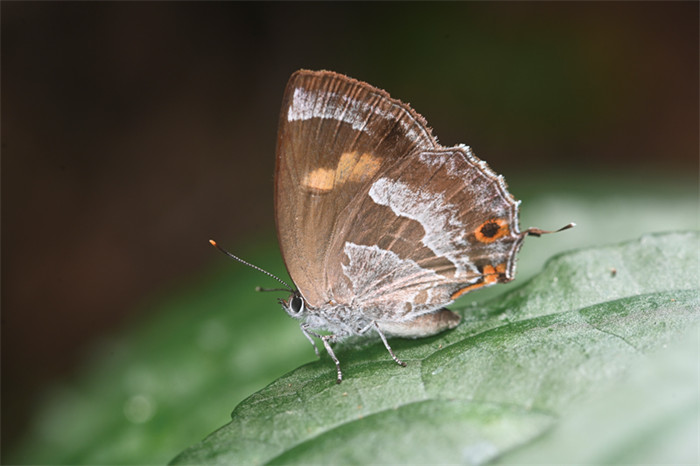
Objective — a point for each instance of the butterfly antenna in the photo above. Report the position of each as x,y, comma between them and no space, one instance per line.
538,232
260,288
289,288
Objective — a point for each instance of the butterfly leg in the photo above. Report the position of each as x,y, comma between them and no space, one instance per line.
326,342
304,330
326,339
386,343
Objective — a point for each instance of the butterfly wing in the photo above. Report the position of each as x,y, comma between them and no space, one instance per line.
336,137
436,225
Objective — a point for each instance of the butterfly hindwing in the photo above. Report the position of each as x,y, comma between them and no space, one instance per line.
433,226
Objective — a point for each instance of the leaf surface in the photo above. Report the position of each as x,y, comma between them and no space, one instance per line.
510,372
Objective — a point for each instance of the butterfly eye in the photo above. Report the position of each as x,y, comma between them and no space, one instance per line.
296,304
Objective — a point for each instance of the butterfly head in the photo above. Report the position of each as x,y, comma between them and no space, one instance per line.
295,306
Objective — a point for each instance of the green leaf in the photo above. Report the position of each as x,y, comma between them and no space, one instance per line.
650,418
512,371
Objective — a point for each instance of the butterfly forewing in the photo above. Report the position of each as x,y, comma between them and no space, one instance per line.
336,137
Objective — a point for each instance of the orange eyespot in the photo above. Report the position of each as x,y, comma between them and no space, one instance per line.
491,230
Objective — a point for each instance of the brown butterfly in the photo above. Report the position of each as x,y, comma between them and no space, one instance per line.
379,225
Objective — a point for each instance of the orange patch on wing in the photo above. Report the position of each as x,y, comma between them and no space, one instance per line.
366,167
344,169
490,276
319,181
466,289
491,230
351,167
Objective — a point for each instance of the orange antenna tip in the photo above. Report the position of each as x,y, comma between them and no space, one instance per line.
213,243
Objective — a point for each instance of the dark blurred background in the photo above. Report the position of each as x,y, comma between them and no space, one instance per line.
134,132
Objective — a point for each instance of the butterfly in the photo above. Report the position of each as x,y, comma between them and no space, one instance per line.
379,225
